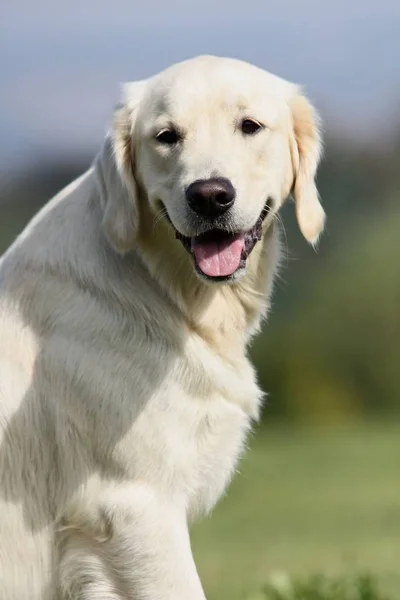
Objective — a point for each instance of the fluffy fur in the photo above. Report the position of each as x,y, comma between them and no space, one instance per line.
125,389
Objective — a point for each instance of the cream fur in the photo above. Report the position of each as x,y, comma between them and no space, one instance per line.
125,389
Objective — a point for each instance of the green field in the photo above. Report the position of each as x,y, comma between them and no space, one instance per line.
305,502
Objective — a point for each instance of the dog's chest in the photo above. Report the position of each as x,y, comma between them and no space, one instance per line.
191,432
188,446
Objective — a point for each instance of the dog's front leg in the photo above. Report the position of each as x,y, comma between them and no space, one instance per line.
131,545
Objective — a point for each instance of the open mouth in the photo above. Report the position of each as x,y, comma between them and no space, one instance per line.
219,254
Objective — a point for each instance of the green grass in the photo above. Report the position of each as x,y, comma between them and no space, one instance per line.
361,587
307,501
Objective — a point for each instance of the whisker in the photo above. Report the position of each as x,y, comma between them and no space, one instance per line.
158,217
286,245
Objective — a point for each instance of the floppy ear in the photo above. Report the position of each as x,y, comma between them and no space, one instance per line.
114,168
306,154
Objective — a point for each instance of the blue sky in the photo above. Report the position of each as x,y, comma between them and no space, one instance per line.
61,62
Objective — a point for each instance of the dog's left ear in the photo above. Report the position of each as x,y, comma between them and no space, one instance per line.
306,150
115,173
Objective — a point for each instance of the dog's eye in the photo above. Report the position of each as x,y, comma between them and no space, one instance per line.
169,137
250,127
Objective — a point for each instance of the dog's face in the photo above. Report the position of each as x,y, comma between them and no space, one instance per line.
217,145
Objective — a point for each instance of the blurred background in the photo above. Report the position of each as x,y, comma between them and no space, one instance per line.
319,489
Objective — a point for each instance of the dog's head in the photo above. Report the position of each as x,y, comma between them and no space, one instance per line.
213,146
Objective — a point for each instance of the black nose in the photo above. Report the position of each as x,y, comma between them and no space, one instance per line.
210,197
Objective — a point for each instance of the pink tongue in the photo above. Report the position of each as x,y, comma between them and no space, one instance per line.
218,258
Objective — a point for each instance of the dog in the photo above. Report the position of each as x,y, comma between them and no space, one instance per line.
126,308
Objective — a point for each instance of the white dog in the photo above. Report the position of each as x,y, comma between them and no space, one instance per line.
126,306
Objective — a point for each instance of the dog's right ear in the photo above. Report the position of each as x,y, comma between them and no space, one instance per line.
115,173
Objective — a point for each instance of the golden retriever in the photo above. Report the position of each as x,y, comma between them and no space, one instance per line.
126,307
